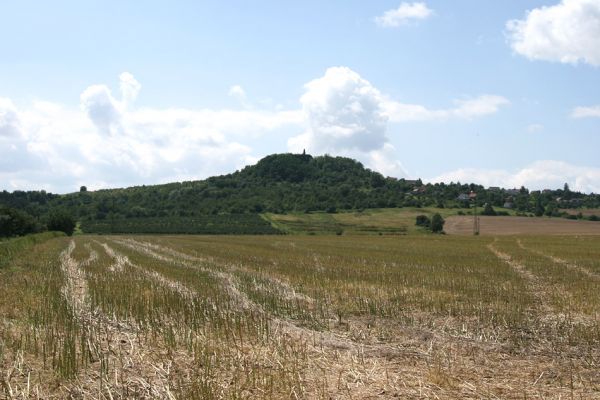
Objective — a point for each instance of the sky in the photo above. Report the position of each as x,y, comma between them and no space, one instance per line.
114,94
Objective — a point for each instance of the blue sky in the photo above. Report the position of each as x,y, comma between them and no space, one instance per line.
109,94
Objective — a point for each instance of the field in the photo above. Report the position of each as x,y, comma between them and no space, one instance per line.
301,317
586,212
385,221
241,224
463,225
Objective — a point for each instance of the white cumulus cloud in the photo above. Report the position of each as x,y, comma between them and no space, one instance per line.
9,120
102,108
237,92
535,128
545,174
345,116
464,109
586,112
568,32
405,13
108,142
130,88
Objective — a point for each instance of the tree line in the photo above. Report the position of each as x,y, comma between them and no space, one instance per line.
279,183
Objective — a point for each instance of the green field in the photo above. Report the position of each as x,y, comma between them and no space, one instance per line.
301,317
384,221
220,224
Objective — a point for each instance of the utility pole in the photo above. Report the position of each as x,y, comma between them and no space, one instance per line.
473,197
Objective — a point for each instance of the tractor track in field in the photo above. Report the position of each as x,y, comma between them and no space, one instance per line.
337,351
539,290
316,339
542,291
121,262
560,261
109,337
282,288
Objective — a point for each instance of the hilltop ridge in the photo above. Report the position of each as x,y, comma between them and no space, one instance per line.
282,183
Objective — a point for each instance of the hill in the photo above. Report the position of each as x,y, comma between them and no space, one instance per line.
277,184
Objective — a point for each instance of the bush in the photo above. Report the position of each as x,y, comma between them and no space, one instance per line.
60,221
423,220
594,218
488,210
15,222
437,223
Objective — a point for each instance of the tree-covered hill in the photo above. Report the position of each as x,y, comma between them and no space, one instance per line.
281,183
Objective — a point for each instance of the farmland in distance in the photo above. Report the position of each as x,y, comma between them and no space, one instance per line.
301,317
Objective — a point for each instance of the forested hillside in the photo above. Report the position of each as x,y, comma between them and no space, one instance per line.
278,183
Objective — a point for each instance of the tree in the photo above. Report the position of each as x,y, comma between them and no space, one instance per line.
61,221
488,210
423,220
83,189
437,223
15,222
539,208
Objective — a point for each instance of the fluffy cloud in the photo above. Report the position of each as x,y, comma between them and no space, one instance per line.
130,88
405,13
568,32
108,142
345,116
539,175
464,109
237,92
102,109
344,112
586,112
535,128
9,121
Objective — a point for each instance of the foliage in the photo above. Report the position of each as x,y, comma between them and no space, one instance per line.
15,222
61,221
437,223
423,220
209,224
285,183
488,210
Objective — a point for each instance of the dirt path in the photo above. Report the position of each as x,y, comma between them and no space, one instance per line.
75,288
164,253
121,261
539,290
565,263
110,340
231,286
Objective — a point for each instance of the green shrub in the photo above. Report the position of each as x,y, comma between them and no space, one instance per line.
437,223
423,220
61,221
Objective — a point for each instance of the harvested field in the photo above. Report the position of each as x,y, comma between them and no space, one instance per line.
586,212
284,317
463,225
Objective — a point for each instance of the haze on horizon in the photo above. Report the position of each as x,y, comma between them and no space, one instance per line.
114,94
